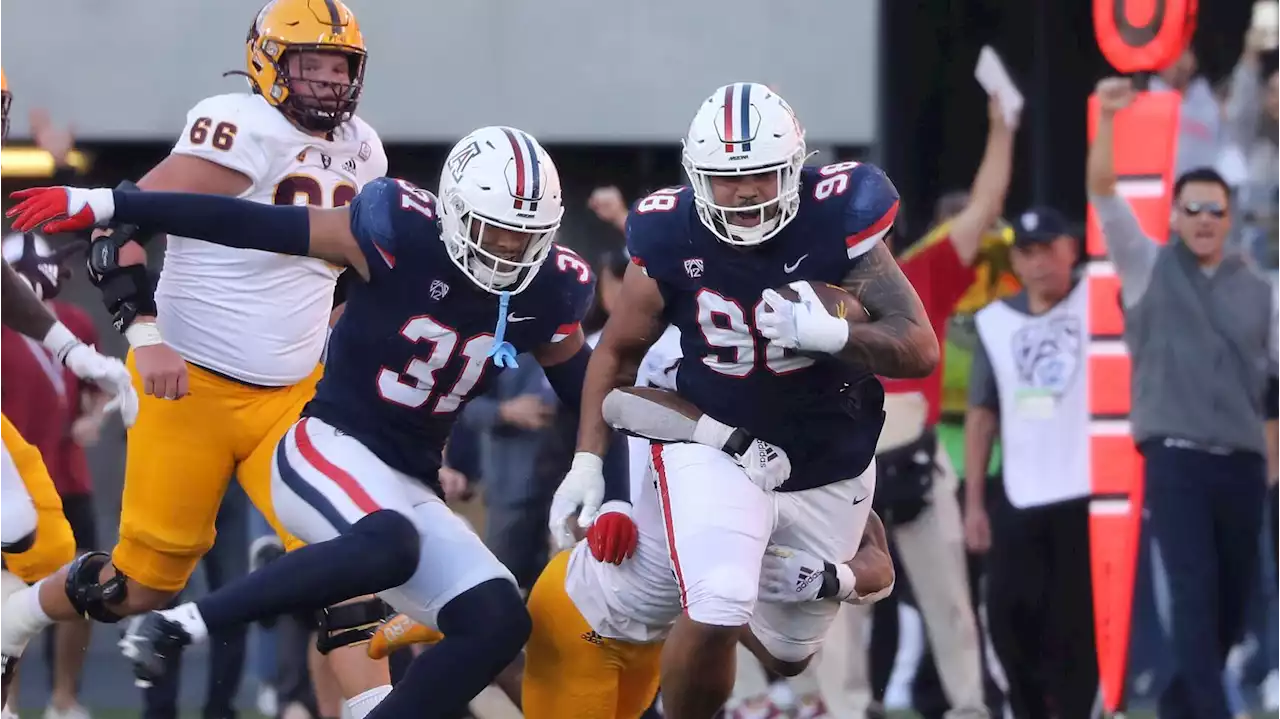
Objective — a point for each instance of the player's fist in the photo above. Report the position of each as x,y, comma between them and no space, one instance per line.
110,375
1114,94
803,324
613,536
582,487
61,209
765,464
163,371
789,575
608,205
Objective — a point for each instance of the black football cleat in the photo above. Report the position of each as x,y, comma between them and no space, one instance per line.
149,641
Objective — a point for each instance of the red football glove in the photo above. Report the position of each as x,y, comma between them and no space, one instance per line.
64,209
613,536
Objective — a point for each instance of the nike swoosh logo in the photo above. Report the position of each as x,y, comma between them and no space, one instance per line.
794,265
860,501
514,318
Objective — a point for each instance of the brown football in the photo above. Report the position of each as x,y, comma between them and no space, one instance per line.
838,302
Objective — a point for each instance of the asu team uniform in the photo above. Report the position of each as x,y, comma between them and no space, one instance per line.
251,326
411,349
31,504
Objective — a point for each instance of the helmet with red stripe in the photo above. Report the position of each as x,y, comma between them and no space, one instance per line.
743,155
500,207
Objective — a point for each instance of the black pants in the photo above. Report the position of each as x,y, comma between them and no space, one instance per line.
1040,609
1205,513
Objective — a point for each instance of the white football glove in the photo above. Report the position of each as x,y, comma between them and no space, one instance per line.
804,325
789,575
765,464
582,486
110,375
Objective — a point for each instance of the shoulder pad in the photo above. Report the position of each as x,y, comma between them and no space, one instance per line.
659,222
367,136
575,282
870,210
228,130
394,222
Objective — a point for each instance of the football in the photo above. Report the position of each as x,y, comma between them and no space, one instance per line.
838,302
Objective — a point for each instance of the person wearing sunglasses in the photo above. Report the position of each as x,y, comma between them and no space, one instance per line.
1200,329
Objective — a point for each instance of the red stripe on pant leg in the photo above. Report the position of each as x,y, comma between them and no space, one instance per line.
338,475
661,468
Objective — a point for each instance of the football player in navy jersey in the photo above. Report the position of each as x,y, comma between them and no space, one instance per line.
454,288
706,257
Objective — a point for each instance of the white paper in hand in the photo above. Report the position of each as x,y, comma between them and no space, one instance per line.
993,77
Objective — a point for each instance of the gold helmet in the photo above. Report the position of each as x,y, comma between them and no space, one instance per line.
285,26
5,100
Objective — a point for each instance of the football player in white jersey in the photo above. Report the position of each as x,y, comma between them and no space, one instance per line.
226,346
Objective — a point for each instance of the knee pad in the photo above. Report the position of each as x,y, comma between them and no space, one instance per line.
397,540
26,542
352,623
90,596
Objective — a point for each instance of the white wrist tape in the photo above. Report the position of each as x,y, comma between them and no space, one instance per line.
711,432
60,340
848,589
143,334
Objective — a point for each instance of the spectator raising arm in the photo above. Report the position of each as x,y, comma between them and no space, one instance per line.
990,184
1132,251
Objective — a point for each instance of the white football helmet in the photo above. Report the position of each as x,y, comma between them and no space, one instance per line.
499,177
745,129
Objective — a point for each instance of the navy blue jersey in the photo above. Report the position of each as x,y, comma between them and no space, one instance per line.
825,414
411,347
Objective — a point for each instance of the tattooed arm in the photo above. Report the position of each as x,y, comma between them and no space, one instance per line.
899,340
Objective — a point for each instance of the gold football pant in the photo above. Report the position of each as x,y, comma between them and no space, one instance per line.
181,456
570,671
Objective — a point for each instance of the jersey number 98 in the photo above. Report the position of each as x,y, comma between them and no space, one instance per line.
736,346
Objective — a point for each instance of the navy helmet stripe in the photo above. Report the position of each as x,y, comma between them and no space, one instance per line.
335,19
535,168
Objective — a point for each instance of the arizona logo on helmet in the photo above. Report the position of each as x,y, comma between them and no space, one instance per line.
458,163
524,173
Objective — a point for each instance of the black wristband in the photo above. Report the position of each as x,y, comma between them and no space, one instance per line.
830,581
738,442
